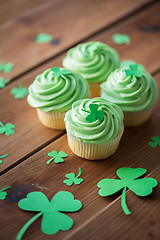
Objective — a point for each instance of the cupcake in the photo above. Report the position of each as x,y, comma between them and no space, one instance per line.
134,91
94,128
53,92
94,61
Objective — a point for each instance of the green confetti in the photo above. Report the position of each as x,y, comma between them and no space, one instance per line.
94,113
155,141
134,70
141,187
6,155
43,38
73,179
53,219
19,92
1,162
57,157
121,38
57,72
6,67
3,194
127,63
3,82
7,129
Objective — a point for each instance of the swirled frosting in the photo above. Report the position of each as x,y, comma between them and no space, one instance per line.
99,131
93,60
130,93
57,93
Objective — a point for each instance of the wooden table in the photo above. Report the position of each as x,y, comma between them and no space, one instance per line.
71,22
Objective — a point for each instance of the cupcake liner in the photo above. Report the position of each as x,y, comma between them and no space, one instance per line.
52,119
93,151
94,89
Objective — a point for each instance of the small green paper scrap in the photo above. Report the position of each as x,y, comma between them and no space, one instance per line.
121,38
134,70
43,38
94,113
7,129
3,82
127,63
6,155
19,92
73,179
3,194
57,157
141,187
57,72
155,141
6,67
53,219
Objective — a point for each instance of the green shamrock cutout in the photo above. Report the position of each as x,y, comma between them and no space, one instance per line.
141,187
6,67
94,113
127,63
3,82
73,179
53,219
6,155
134,70
155,141
121,38
57,157
3,194
19,92
57,72
43,38
7,129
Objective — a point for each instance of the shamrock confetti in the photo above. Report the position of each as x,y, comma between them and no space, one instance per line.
53,219
6,155
121,38
134,70
7,129
3,194
43,38
57,72
141,187
127,63
3,82
6,67
19,92
155,141
72,179
94,113
57,157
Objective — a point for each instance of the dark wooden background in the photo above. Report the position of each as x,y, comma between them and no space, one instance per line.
71,22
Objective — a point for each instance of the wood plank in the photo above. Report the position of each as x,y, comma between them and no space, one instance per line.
89,17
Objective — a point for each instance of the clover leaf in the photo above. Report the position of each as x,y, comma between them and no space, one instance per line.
134,70
43,38
3,82
3,194
57,72
141,187
121,38
6,155
7,129
6,68
94,113
73,179
19,92
53,219
57,157
155,141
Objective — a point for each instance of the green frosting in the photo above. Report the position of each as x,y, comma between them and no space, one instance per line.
130,93
57,93
99,131
93,60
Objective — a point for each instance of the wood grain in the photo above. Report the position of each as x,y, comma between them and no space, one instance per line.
68,21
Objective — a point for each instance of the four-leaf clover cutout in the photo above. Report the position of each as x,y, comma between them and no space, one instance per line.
73,179
7,129
57,157
57,72
43,38
19,92
141,187
121,38
3,194
155,141
3,82
53,219
94,113
134,70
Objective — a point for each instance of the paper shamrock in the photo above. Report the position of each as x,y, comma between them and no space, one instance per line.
94,113
127,63
3,82
134,70
155,141
3,194
57,157
73,179
121,38
57,72
6,155
6,67
7,129
141,187
19,92
53,219
43,38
